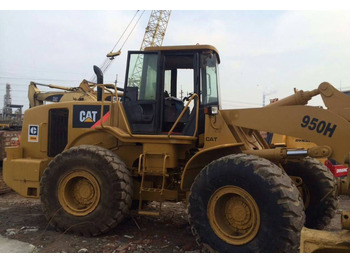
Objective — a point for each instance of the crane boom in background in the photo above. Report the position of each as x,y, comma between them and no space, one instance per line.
154,36
156,28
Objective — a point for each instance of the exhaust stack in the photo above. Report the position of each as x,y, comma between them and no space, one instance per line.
99,76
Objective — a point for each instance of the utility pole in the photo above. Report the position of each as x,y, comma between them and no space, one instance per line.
181,93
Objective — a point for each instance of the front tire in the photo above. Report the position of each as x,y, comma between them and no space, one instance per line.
86,190
243,203
319,191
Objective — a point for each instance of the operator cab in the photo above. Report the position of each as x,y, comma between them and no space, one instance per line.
159,82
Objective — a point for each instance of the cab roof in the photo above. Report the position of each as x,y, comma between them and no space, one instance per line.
184,48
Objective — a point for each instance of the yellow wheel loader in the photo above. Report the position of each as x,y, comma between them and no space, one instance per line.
89,161
84,92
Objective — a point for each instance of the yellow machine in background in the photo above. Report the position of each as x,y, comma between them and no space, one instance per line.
84,92
292,142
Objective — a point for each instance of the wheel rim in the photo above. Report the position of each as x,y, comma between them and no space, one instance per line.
303,189
233,215
79,193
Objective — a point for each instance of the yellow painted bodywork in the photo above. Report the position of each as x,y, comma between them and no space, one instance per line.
317,241
23,174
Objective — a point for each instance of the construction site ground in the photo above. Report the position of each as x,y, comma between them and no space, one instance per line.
22,219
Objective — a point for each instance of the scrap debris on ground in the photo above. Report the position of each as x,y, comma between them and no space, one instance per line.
22,219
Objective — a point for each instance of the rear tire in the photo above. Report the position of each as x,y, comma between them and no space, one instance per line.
320,190
86,190
243,203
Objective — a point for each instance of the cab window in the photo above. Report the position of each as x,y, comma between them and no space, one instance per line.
143,75
209,92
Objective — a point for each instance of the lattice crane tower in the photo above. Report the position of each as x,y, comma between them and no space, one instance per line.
154,36
156,28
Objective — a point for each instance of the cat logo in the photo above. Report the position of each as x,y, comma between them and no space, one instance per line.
87,116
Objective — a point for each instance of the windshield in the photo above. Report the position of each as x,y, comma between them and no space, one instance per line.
209,83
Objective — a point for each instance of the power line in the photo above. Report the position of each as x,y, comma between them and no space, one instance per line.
108,60
34,70
126,30
41,79
14,83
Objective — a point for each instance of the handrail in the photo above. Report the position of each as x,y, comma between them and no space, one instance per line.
121,109
183,112
104,87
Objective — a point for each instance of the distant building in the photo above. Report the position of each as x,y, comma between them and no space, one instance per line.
10,119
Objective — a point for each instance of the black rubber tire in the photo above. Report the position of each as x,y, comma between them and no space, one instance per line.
280,205
320,183
114,180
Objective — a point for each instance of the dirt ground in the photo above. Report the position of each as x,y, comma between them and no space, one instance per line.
22,219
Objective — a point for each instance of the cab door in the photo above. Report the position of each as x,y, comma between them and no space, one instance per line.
141,93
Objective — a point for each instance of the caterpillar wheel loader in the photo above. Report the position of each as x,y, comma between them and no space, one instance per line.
90,161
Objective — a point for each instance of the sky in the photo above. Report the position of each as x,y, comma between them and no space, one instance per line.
264,53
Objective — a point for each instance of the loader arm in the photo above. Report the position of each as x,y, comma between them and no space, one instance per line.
325,127
317,125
